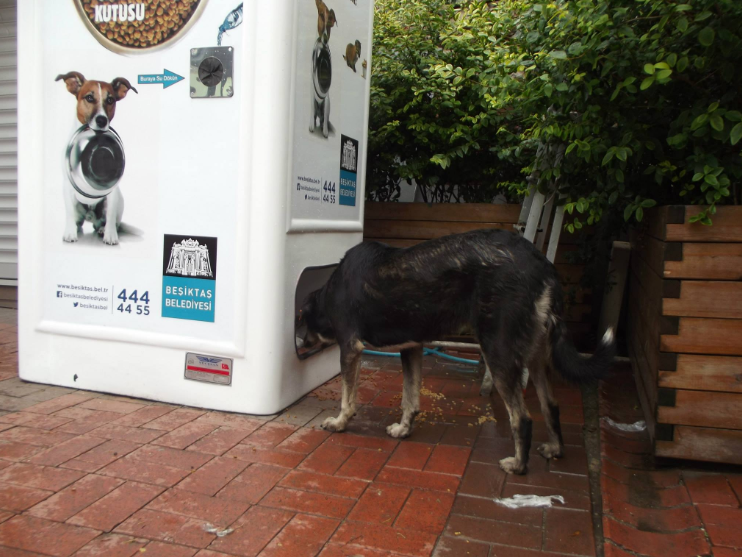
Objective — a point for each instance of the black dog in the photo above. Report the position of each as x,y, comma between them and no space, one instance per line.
491,281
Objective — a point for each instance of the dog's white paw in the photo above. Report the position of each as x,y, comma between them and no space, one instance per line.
334,424
550,450
398,430
70,236
110,237
511,466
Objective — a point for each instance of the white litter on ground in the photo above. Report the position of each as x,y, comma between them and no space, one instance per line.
211,529
520,501
641,425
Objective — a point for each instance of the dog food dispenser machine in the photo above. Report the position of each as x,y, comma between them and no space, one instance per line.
187,169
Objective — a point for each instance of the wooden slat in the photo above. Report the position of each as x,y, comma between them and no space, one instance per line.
707,261
727,227
698,443
648,304
656,220
423,230
704,373
703,409
705,336
719,299
444,212
650,249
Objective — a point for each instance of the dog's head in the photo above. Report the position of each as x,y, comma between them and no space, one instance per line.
318,331
96,100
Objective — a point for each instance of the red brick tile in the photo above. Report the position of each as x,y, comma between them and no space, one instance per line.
352,550
483,480
321,483
480,507
250,453
160,549
175,419
459,435
658,478
629,460
362,442
131,434
480,529
59,403
426,511
728,536
253,531
380,503
235,421
108,452
81,465
307,502
84,415
112,545
572,499
44,536
252,484
210,553
612,550
111,405
722,524
66,450
38,421
80,427
143,416
270,435
327,459
11,450
736,483
184,460
166,527
303,536
213,475
18,498
643,497
574,462
219,441
407,542
683,544
363,464
147,472
653,520
116,507
498,550
423,480
303,440
637,443
724,552
449,547
552,479
74,498
220,512
410,455
40,477
569,531
5,515
711,489
185,435
448,460
31,436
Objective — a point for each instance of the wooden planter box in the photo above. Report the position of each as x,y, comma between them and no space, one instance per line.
407,224
685,332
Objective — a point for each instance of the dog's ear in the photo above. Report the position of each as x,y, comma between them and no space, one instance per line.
120,87
73,80
331,19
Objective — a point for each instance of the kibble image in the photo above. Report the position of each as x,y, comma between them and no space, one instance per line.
139,23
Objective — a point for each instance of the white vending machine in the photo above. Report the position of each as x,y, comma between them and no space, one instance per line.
188,171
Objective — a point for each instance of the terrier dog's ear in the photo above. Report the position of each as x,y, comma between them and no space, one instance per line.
73,80
121,86
331,19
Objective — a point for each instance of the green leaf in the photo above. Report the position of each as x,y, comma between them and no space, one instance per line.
716,122
613,197
699,121
683,7
548,89
712,107
649,68
703,15
733,116
663,74
736,134
619,175
647,83
639,214
711,180
662,66
672,59
682,25
682,64
647,203
608,156
706,36
559,54
697,176
562,87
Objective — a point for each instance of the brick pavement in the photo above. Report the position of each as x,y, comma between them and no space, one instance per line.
84,473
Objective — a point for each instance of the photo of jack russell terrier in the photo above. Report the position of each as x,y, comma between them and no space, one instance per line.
95,159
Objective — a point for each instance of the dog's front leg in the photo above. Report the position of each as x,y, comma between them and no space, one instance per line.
114,212
412,361
74,214
326,114
350,365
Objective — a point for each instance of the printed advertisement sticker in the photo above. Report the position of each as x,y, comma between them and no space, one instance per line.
209,369
189,277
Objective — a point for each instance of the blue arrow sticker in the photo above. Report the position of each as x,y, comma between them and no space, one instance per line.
167,79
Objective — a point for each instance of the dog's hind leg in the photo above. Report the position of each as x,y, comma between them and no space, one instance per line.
412,362
549,406
350,366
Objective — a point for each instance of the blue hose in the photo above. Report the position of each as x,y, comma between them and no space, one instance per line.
426,352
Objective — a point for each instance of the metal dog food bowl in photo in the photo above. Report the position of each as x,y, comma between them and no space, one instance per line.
322,68
95,161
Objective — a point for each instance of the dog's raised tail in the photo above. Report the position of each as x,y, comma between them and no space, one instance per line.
578,368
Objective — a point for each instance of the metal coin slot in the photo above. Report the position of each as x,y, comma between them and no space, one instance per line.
211,71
